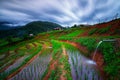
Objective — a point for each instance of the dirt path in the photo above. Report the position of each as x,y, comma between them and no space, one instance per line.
77,45
62,76
64,51
55,64
52,66
17,71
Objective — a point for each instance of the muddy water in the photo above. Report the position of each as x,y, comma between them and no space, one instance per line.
82,68
35,70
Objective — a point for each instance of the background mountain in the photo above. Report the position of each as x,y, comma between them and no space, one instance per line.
5,25
31,28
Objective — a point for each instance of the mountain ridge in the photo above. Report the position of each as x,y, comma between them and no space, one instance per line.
34,27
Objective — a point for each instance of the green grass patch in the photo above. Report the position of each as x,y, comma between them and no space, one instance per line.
74,33
65,38
90,43
56,48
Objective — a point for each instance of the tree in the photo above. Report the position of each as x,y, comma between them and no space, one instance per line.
74,26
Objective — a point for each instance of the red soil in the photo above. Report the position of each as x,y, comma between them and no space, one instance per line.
84,34
114,30
99,59
52,66
75,44
115,25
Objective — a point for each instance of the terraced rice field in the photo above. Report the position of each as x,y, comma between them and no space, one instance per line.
17,58
82,68
35,69
15,65
64,54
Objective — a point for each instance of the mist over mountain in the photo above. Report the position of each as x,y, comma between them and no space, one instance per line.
5,25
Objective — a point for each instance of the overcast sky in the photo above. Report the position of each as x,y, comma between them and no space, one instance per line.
64,12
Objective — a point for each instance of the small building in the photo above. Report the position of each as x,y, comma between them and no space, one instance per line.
57,28
31,35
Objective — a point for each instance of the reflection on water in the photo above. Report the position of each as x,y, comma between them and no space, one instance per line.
82,68
35,69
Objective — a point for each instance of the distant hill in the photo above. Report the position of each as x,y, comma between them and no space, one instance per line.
30,28
40,26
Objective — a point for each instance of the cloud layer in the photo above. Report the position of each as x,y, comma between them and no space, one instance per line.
64,12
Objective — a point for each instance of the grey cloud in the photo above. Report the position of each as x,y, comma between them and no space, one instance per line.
64,12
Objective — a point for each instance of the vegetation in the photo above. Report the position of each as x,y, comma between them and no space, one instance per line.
53,75
112,60
100,30
90,43
3,42
93,31
36,68
61,55
31,28
63,60
104,30
13,57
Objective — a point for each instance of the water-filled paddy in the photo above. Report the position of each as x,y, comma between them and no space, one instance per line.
82,68
35,70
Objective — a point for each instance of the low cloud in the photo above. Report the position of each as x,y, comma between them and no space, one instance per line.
64,12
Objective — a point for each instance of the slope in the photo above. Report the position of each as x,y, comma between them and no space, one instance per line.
31,28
